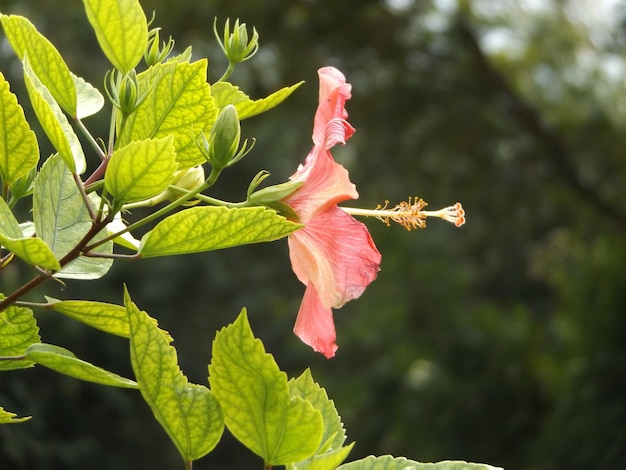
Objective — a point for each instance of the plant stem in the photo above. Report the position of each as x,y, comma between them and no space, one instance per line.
90,138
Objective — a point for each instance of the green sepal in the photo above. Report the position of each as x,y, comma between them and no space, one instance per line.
65,362
45,60
6,417
18,330
19,151
179,103
62,220
225,93
387,462
206,228
188,412
53,121
121,29
141,170
254,395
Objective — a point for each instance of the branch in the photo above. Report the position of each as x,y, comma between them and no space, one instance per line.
531,121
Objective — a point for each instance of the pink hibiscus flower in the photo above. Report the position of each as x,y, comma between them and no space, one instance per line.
333,255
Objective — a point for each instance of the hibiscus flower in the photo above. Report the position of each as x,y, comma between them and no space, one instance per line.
333,255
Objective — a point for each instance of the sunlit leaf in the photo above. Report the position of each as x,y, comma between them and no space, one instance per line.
225,93
255,398
9,226
62,220
45,61
90,100
121,29
18,330
188,412
331,451
106,317
33,251
53,121
19,151
141,169
6,417
211,228
65,362
178,103
388,462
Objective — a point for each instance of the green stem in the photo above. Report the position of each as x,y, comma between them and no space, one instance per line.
228,72
90,139
188,464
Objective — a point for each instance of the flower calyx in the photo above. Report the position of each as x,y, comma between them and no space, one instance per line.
156,52
123,91
236,45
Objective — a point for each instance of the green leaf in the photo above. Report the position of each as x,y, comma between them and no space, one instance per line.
189,413
6,417
18,330
53,121
106,317
45,60
141,169
62,220
33,251
121,28
90,100
388,462
19,151
200,229
225,93
331,452
9,226
65,362
255,398
178,103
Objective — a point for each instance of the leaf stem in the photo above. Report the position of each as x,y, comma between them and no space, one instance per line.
90,139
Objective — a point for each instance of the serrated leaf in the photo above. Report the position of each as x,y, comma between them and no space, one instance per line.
331,452
18,330
53,121
45,60
189,413
6,417
121,29
19,151
387,462
62,220
225,93
106,317
255,398
178,103
141,169
65,362
89,99
200,229
33,251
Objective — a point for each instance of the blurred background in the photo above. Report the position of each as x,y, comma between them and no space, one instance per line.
501,342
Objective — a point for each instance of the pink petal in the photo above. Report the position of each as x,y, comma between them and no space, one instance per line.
325,183
336,254
314,325
334,92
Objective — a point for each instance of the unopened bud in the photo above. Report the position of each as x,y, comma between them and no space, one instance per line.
155,52
236,45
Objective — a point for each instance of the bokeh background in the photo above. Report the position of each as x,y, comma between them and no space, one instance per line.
501,342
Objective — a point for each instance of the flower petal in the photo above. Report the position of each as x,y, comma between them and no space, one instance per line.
336,254
334,92
315,325
324,184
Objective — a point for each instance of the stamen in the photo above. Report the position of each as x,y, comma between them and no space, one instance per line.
410,214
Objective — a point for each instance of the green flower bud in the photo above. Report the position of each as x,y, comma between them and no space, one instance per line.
224,138
154,53
236,44
189,179
123,91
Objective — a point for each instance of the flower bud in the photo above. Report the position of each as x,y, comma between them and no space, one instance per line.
236,45
123,91
189,179
154,53
224,138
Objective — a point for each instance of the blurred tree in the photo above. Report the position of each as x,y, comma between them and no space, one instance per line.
503,342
